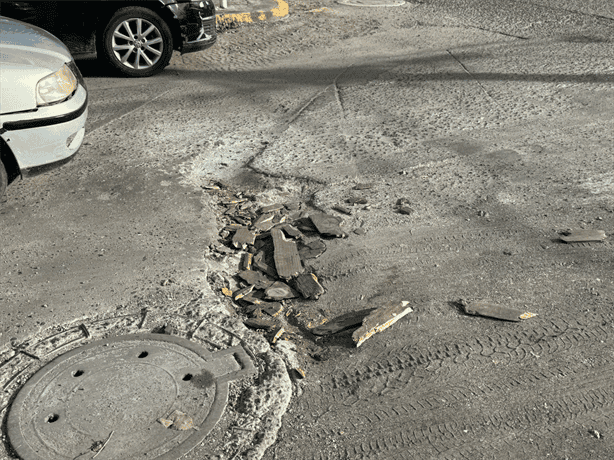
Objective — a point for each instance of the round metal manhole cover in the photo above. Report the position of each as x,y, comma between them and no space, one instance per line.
371,3
148,396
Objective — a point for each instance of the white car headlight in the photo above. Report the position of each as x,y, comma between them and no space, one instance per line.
56,87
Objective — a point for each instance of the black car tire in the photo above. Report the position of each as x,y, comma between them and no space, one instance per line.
129,50
4,181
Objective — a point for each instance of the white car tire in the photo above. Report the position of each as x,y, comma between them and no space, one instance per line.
137,42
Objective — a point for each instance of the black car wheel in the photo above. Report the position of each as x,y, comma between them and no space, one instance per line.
137,42
4,181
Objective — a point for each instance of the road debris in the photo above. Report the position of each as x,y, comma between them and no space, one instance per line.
595,434
178,421
581,236
261,323
100,447
341,323
311,250
356,200
342,209
276,334
327,225
380,319
363,186
243,292
287,260
309,287
246,261
257,279
483,308
243,237
406,210
360,231
265,222
280,291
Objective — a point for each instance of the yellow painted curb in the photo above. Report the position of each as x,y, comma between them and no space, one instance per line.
279,12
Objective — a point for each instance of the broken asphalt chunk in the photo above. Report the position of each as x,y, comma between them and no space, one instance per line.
287,260
363,186
265,222
342,210
312,249
243,237
342,323
246,261
579,236
261,323
327,225
258,279
263,266
280,291
380,319
482,308
406,210
271,208
243,292
291,231
356,200
309,287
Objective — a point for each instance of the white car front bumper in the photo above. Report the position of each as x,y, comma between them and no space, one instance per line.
48,135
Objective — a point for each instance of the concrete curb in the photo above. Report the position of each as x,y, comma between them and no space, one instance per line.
280,11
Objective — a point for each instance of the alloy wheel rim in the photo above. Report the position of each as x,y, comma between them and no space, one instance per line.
137,43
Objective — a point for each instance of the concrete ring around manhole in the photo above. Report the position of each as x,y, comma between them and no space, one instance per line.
371,3
136,396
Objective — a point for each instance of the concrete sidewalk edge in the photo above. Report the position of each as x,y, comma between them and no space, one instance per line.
280,11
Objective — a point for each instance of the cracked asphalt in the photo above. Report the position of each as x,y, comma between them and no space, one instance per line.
492,119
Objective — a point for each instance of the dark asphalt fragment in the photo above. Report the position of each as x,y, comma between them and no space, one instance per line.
342,210
482,308
380,319
280,291
312,249
291,231
287,260
265,222
246,261
261,323
271,208
258,279
363,186
242,292
261,264
356,200
309,287
243,237
341,323
579,236
327,225
406,210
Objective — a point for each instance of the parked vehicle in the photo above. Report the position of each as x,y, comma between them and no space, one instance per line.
136,38
43,101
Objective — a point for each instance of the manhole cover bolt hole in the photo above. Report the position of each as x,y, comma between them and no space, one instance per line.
187,377
53,418
78,373
143,354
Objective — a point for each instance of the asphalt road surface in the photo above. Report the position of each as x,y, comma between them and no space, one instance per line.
492,120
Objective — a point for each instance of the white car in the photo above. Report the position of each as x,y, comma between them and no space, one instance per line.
43,102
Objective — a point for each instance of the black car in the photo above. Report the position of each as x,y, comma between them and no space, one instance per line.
136,38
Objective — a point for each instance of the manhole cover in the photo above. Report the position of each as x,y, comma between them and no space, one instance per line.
106,399
371,3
